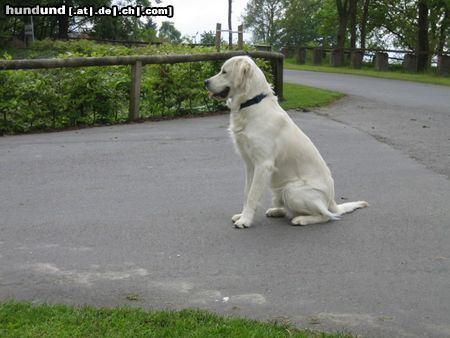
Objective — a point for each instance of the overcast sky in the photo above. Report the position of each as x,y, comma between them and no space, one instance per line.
196,16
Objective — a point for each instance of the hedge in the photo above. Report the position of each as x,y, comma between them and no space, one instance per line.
69,97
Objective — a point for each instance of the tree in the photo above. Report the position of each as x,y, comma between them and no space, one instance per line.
393,22
105,27
353,5
208,38
168,32
300,25
363,24
109,28
444,31
423,47
439,22
44,26
230,34
264,18
148,32
63,23
343,11
327,18
420,25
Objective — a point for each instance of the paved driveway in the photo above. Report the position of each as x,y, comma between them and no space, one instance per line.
140,215
412,117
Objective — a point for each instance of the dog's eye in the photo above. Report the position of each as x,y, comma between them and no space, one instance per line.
224,72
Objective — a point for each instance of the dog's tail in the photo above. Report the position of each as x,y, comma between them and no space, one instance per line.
344,208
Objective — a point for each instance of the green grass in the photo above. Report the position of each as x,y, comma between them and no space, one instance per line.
304,98
393,75
26,320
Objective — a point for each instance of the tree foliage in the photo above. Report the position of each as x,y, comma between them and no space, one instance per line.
420,25
264,18
301,23
102,27
169,33
208,38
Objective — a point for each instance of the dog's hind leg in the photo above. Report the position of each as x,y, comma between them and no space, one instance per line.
275,212
321,215
278,209
308,203
305,220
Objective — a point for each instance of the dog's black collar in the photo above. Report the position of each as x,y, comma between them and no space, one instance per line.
255,100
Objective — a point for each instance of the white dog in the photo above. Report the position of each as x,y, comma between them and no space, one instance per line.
275,150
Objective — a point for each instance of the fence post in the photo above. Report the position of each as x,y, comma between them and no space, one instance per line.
300,55
29,35
336,58
277,71
241,37
317,56
288,52
443,64
410,62
218,33
135,92
381,61
356,57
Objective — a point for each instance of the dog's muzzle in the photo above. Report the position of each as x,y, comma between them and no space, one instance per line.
221,95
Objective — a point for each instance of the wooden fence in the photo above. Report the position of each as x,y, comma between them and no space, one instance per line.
137,62
380,57
239,32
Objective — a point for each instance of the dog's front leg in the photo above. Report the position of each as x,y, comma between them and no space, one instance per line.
250,169
261,176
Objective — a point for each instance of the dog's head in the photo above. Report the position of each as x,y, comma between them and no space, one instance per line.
239,78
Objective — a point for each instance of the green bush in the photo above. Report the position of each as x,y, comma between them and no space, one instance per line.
60,98
70,97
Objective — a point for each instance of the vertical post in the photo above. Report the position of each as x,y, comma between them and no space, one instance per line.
29,33
410,62
300,55
241,37
336,58
381,61
135,92
218,38
288,52
277,71
356,57
443,64
317,56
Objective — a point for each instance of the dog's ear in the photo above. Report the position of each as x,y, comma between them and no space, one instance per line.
242,68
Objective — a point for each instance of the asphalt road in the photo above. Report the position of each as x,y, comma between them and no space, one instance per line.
412,117
140,215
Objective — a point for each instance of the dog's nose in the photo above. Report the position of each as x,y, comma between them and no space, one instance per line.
207,82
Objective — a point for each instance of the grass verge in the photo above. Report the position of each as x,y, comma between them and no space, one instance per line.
303,97
26,320
392,75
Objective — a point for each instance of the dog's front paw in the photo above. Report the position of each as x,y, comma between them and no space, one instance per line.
236,217
242,223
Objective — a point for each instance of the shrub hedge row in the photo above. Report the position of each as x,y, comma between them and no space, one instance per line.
69,97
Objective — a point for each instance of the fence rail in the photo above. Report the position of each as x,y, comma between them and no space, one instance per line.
371,50
381,57
138,61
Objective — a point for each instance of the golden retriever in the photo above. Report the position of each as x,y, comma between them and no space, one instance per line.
275,151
